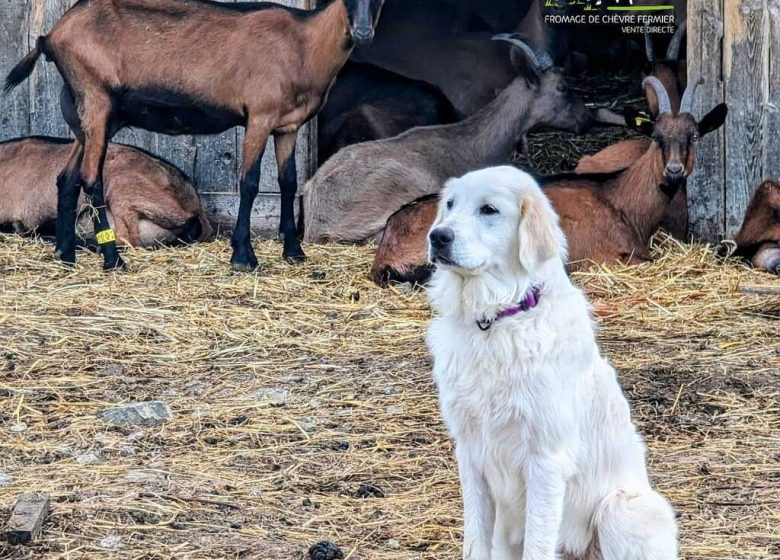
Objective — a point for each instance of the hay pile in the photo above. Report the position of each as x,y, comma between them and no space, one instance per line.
304,410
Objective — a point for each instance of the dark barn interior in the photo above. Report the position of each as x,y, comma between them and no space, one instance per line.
433,62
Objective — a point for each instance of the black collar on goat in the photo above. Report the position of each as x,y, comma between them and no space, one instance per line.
187,67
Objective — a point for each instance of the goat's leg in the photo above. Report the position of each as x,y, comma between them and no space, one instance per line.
96,126
288,185
67,206
254,145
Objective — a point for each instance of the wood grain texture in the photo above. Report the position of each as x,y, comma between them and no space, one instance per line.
15,107
746,63
706,186
772,136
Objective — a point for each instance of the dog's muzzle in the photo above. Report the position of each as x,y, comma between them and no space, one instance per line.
441,240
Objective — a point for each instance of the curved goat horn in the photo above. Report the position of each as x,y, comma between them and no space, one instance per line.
675,45
542,59
686,105
664,104
649,50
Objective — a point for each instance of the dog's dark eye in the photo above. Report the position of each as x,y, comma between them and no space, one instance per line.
488,210
450,203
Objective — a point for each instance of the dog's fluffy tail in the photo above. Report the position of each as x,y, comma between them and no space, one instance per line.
636,525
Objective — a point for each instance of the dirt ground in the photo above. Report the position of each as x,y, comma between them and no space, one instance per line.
303,407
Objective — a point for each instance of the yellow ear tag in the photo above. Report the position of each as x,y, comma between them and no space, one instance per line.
643,118
105,236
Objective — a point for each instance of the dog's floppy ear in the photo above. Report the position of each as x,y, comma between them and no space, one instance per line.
539,236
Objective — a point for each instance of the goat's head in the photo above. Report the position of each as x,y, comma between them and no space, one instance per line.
363,17
668,70
675,135
554,103
759,238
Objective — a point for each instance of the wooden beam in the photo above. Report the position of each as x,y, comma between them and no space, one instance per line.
27,518
706,186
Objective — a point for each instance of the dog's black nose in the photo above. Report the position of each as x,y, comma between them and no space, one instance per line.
441,237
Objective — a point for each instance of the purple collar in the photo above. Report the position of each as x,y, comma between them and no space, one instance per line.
530,301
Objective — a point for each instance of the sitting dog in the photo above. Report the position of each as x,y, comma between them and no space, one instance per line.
550,463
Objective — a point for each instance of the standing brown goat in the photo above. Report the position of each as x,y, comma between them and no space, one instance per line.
606,217
759,238
150,202
195,67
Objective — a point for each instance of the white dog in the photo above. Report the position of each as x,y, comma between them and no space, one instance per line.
550,464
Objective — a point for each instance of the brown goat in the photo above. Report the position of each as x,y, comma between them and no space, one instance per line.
351,197
195,67
150,202
671,73
759,238
606,218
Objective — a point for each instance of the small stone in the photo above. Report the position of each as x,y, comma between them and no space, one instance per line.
308,424
325,550
406,288
89,459
128,450
393,544
111,542
295,378
148,413
272,396
369,491
147,478
394,410
18,428
5,479
389,391
112,370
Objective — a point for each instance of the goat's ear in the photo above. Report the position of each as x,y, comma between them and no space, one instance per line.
539,236
713,120
639,121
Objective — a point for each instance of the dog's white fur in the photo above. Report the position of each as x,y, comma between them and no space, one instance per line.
550,463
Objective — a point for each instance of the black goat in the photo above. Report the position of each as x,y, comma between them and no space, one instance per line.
195,67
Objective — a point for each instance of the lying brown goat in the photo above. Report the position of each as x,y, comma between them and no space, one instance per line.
759,238
617,157
606,217
150,202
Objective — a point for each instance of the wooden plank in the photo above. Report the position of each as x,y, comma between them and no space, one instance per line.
45,82
27,518
745,45
772,136
706,186
14,117
222,209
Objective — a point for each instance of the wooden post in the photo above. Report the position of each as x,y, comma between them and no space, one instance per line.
706,186
772,136
746,64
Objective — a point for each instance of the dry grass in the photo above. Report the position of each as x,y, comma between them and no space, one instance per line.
293,387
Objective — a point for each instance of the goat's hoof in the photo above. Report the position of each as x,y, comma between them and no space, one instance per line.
244,263
294,255
67,256
116,264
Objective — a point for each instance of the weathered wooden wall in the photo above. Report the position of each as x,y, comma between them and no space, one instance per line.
734,46
212,161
